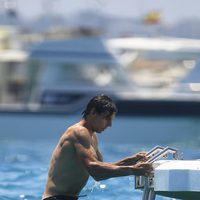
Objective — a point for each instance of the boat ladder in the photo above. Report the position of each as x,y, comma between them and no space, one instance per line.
147,183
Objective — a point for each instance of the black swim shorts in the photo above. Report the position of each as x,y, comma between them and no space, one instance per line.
61,197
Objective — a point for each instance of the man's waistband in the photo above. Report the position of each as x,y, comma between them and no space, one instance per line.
61,197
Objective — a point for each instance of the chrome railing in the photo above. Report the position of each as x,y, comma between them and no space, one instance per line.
147,183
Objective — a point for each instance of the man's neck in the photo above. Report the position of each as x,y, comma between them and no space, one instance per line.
86,124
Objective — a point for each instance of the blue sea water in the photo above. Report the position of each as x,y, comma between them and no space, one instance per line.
24,167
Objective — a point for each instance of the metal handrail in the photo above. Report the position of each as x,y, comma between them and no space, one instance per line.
154,150
146,183
163,153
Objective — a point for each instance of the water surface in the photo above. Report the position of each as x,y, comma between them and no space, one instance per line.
24,167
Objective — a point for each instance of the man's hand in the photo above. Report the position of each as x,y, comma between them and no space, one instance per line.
143,169
132,160
139,157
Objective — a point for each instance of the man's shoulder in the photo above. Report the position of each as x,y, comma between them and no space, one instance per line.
77,129
70,136
76,132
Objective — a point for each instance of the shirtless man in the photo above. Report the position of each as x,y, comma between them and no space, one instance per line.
76,157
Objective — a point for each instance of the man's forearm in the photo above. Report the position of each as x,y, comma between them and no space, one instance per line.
124,162
102,171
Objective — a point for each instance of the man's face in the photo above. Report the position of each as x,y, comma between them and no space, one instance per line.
103,121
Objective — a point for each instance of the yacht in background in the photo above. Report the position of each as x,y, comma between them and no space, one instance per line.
12,66
65,74
164,72
62,75
143,75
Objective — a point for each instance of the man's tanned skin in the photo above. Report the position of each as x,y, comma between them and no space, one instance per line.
77,156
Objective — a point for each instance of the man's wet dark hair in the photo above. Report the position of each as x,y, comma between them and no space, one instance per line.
101,104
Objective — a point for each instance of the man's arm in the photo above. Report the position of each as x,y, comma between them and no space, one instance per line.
132,160
102,170
95,141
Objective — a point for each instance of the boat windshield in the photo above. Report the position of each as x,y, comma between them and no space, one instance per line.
64,75
160,69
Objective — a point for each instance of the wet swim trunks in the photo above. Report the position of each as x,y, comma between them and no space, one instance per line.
61,197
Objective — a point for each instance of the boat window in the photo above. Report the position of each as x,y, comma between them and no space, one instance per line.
12,82
160,69
85,74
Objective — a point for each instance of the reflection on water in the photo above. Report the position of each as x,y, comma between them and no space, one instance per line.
24,167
